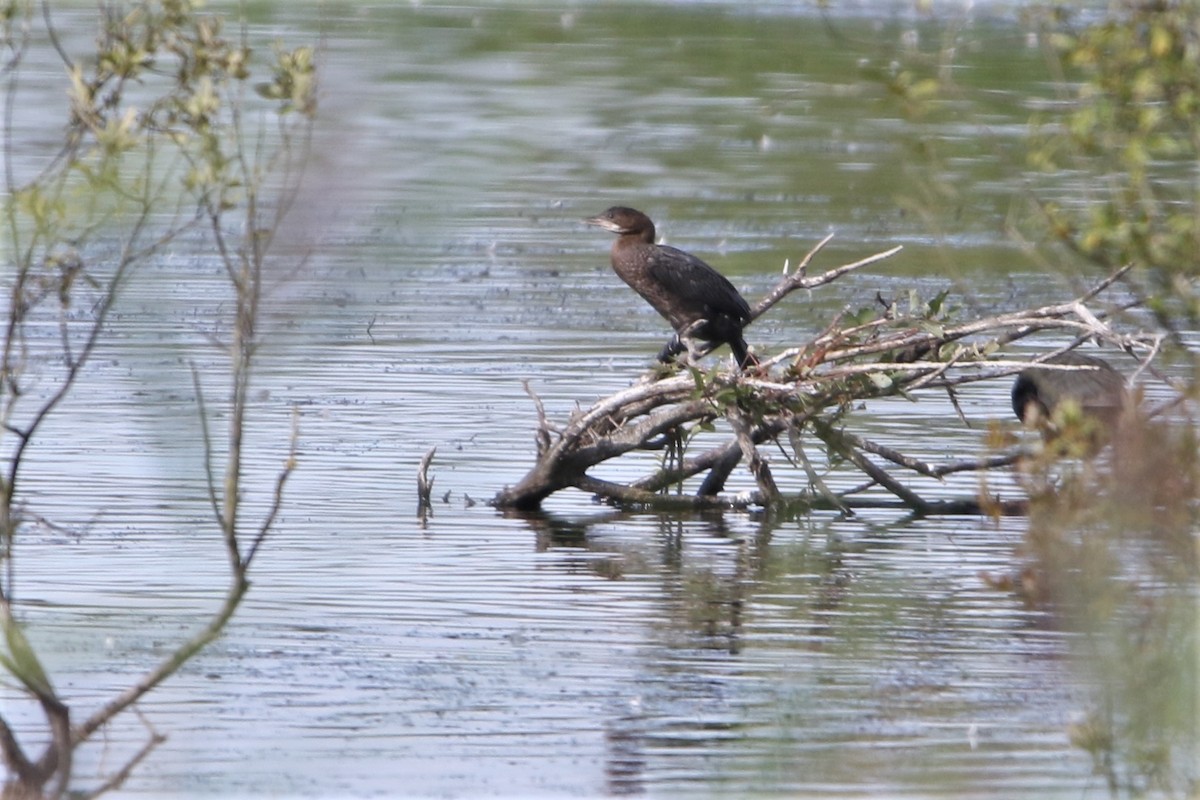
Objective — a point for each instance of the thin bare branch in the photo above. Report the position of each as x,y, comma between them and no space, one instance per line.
802,266
896,457
633,496
424,482
289,466
117,780
834,439
800,280
544,429
937,373
206,436
759,467
980,464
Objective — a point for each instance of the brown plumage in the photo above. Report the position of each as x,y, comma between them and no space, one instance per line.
699,302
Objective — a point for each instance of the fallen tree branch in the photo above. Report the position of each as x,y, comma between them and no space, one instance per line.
812,385
875,472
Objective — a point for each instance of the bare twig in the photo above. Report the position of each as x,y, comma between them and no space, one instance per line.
800,280
544,429
757,464
424,482
896,457
206,438
167,667
289,466
117,780
834,439
633,496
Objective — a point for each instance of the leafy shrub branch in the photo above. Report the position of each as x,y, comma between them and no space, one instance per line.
156,145
1129,130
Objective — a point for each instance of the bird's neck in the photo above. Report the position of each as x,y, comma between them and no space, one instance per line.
634,238
627,244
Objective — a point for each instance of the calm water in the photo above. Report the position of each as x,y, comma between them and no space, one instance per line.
587,653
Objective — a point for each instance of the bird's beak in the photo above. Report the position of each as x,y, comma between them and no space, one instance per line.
603,222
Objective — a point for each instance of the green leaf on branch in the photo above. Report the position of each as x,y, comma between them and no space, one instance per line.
21,660
294,83
881,380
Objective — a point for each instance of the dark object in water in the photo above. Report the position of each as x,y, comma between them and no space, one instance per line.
1099,392
699,302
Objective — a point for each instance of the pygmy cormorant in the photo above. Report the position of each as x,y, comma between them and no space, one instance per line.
699,302
1100,392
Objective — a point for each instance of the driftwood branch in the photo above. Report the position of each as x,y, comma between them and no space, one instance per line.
807,387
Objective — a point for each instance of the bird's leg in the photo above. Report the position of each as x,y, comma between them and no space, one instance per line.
696,349
671,349
685,340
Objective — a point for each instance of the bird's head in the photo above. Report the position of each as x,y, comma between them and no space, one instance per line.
622,220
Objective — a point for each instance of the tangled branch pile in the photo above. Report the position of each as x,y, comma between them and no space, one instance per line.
803,390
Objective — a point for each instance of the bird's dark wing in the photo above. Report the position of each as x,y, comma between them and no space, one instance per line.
1099,388
696,284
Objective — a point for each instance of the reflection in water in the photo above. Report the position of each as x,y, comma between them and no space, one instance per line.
627,761
780,638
